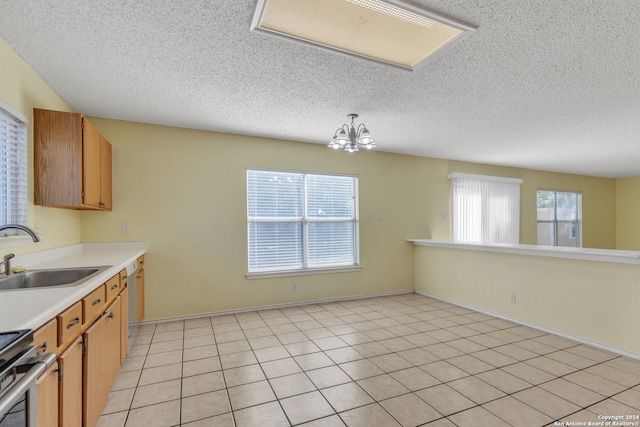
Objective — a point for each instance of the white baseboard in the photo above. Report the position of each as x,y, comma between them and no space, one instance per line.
272,307
538,327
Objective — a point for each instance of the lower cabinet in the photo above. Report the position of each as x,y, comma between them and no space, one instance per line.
70,362
47,397
140,278
101,361
90,340
124,324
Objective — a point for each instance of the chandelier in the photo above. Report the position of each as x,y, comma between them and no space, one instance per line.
352,139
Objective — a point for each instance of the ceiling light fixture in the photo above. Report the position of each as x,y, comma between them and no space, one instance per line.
352,139
388,31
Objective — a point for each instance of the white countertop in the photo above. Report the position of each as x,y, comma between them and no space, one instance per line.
32,308
585,254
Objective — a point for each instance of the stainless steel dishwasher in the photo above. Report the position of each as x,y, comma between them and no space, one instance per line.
132,311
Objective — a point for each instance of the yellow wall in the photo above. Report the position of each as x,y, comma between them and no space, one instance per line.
184,193
628,213
598,200
595,301
23,89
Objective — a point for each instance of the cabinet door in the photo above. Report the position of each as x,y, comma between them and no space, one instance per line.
105,174
71,385
57,160
91,147
47,397
101,362
140,278
124,323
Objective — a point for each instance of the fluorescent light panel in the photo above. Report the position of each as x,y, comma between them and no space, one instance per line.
387,31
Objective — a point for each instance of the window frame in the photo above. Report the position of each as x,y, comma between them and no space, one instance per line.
305,220
555,221
23,177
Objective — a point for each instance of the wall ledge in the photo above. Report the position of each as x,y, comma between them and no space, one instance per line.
584,254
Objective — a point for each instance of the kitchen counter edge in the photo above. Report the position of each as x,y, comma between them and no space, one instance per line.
32,308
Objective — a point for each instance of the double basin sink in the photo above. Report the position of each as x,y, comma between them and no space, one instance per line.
35,279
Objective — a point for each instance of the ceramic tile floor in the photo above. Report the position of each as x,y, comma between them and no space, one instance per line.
397,360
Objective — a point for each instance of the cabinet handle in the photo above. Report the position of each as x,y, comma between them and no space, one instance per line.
111,315
114,287
138,277
74,323
43,348
96,302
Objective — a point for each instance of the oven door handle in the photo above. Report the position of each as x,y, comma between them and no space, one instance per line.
16,391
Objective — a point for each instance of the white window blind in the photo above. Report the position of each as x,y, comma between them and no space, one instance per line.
485,209
301,221
13,168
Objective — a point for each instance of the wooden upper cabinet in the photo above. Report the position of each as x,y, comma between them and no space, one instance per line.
72,162
106,174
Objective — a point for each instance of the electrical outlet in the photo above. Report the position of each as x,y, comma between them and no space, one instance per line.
294,287
512,298
126,228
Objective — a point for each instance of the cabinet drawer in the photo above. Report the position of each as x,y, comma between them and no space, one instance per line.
93,303
45,339
69,323
113,287
123,279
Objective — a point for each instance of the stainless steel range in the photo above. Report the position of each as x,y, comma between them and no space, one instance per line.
19,370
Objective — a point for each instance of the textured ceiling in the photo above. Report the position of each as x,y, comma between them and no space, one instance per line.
542,84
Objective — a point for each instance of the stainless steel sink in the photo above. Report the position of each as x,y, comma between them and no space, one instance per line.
49,278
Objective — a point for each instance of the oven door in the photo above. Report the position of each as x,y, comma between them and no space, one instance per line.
18,401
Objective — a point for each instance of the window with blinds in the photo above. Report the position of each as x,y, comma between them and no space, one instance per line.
485,209
13,169
559,218
299,221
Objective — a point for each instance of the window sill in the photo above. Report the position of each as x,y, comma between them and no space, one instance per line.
305,272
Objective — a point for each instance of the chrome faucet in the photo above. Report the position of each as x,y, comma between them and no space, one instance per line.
7,264
27,230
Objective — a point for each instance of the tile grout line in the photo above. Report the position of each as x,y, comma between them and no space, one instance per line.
326,324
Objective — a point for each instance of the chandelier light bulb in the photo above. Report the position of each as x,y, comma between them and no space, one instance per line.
352,138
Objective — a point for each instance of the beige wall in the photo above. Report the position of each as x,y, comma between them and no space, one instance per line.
184,193
598,200
628,213
23,89
595,301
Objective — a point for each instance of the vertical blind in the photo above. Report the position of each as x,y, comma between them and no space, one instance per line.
297,220
485,209
13,169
